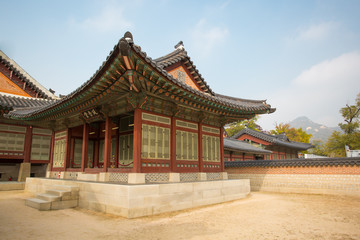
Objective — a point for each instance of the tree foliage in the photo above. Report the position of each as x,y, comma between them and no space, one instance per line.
350,136
296,135
236,127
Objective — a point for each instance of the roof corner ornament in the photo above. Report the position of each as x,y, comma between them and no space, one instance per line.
124,47
128,36
180,45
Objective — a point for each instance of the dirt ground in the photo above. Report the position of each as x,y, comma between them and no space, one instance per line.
260,216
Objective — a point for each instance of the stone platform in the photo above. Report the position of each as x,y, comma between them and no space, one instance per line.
131,201
11,185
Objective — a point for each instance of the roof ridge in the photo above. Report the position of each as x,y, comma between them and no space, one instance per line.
26,75
242,99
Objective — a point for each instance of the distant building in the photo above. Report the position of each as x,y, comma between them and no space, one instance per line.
236,150
351,153
280,146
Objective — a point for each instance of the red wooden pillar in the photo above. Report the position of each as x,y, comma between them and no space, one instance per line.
222,165
52,143
85,147
137,141
27,147
173,145
200,144
117,149
107,144
67,149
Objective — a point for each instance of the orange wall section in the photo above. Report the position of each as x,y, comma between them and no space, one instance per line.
188,79
7,86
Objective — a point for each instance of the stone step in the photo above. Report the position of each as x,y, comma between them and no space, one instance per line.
48,197
66,188
58,192
39,204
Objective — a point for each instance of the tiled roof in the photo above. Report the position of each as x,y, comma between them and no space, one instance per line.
24,76
181,55
241,146
24,105
280,140
307,162
126,44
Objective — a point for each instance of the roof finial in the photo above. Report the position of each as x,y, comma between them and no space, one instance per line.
180,45
128,36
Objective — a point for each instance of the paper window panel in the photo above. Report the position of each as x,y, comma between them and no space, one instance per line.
210,130
155,142
12,141
90,151
40,147
12,128
166,135
145,141
184,124
156,118
60,134
77,153
178,145
159,143
152,137
196,148
101,151
59,153
41,131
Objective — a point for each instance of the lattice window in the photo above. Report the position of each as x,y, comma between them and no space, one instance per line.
186,145
155,142
118,177
76,162
40,147
102,149
41,131
210,130
188,177
59,153
12,128
211,148
12,141
184,124
156,177
213,176
156,118
126,150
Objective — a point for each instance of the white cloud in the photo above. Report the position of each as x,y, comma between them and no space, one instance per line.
109,18
316,32
318,92
206,38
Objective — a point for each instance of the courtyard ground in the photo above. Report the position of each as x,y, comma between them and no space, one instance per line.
260,216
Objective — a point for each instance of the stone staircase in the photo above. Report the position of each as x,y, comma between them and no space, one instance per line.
59,197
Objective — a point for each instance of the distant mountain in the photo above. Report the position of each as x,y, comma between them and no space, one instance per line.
318,131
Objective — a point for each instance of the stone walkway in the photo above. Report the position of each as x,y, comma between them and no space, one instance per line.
260,216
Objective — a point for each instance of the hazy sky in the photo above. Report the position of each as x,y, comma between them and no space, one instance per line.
302,56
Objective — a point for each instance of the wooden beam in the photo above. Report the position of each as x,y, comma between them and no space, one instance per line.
27,147
173,144
222,149
107,144
85,147
200,148
137,141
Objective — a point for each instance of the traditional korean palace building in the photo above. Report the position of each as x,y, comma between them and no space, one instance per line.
134,115
277,146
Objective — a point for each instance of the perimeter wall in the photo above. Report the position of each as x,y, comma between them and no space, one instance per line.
316,176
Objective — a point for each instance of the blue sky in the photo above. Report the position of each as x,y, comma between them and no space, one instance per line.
302,56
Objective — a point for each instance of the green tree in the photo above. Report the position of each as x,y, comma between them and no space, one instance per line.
297,135
236,127
319,149
350,135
